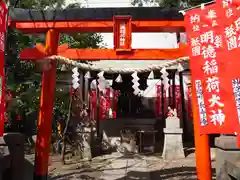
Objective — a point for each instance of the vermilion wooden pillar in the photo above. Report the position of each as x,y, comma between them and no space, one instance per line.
202,146
3,29
46,106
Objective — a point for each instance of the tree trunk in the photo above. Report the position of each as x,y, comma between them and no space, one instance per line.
65,131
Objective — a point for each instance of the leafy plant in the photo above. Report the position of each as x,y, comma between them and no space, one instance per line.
21,76
170,3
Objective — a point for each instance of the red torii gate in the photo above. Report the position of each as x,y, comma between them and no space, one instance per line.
114,20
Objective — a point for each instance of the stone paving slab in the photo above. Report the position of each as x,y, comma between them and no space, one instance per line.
147,168
119,167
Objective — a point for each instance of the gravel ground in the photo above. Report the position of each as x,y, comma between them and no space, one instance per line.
119,167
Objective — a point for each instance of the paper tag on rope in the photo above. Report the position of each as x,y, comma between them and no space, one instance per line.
101,74
101,83
151,75
119,79
180,67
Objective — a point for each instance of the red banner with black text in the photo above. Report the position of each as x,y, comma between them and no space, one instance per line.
230,11
211,79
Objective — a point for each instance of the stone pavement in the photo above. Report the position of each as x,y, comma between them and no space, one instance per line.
118,167
140,167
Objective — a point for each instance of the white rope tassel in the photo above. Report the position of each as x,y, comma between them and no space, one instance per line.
93,67
119,79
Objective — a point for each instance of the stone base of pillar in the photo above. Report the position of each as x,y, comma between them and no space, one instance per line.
173,145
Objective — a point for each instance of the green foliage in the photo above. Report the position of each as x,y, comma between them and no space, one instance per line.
21,76
40,4
170,3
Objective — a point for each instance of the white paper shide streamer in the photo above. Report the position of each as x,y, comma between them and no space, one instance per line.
165,80
180,68
87,75
135,85
109,83
151,75
101,82
75,78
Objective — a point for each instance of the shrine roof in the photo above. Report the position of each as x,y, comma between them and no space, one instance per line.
137,13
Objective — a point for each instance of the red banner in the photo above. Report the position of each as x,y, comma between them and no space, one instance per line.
230,11
165,102
3,14
102,107
208,66
93,104
108,101
158,101
105,104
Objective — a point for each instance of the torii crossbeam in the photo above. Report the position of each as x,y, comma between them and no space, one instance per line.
122,22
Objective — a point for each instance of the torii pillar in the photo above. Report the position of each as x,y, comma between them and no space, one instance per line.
44,123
